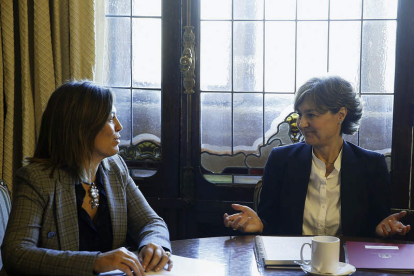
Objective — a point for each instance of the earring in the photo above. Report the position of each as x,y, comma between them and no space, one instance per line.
340,122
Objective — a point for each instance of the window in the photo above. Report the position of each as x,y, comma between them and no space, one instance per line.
251,56
141,44
254,55
132,68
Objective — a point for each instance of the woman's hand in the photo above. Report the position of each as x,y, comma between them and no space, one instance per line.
121,259
246,221
153,257
392,225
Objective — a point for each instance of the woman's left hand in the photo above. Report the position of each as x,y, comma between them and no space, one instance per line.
154,257
391,225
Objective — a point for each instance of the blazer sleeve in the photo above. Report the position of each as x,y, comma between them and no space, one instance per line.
379,192
144,225
365,191
20,252
269,206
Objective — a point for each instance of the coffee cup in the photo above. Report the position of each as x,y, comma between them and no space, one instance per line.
324,254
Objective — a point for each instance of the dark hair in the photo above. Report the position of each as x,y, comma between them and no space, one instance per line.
331,94
74,115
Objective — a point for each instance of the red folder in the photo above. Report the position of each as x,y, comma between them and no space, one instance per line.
387,256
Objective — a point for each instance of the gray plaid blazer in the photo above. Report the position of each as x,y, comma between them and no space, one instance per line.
42,236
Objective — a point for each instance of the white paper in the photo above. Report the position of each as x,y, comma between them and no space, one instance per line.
183,266
286,248
389,247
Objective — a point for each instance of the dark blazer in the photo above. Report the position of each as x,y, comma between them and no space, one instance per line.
42,235
364,190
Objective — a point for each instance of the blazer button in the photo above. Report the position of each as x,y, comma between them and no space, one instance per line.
51,234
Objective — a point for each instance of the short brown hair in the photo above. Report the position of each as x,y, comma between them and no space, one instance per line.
74,115
330,94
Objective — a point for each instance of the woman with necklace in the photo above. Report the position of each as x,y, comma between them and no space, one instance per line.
75,208
324,186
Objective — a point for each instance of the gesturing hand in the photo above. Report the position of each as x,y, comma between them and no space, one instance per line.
153,257
121,259
246,221
392,225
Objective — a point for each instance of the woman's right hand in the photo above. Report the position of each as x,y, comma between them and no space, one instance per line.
246,221
121,259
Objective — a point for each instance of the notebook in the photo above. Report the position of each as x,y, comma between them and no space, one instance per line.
384,256
280,252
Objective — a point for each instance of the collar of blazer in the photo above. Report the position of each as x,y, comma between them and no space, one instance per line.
299,168
65,178
66,208
352,170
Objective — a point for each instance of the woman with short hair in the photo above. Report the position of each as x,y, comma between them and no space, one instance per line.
324,185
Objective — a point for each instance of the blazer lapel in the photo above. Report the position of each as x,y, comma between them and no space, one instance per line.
66,212
116,203
352,175
299,166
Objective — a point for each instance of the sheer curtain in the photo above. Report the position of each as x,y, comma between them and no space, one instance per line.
99,40
43,43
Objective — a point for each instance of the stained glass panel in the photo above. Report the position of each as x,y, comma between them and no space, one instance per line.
117,61
248,9
248,56
216,129
280,56
146,113
146,50
378,56
248,121
280,10
376,125
216,56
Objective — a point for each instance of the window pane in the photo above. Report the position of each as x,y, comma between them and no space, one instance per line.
216,122
312,50
248,9
117,61
118,7
146,111
348,9
243,179
362,52
380,9
123,112
248,121
312,9
209,10
146,7
280,56
344,50
280,9
351,138
378,56
376,125
248,56
215,60
146,49
277,108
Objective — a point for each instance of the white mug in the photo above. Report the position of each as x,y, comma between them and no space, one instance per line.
325,254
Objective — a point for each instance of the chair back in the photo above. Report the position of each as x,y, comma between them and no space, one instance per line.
256,195
5,207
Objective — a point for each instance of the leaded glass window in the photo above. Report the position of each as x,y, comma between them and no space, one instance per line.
132,68
254,54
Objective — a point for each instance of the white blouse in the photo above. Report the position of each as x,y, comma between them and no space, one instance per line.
322,214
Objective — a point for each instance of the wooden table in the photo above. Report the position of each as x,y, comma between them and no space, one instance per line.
237,253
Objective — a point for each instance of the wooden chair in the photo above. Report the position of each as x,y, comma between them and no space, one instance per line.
256,195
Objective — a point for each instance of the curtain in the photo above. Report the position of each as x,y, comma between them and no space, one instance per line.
43,43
